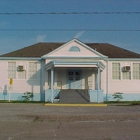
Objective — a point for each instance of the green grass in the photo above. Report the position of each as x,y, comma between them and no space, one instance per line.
107,102
123,102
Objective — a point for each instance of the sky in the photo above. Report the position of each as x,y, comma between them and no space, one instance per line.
22,30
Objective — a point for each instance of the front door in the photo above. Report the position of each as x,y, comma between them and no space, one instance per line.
74,79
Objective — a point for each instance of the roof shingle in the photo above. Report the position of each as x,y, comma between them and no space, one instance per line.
40,49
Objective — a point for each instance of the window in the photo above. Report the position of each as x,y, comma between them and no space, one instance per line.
74,49
71,76
136,70
116,71
77,74
11,70
126,75
33,70
21,74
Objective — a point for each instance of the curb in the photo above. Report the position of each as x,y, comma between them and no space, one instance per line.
77,105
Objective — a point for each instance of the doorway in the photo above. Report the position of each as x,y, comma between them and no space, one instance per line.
74,79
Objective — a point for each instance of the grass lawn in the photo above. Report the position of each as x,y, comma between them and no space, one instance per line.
129,103
123,102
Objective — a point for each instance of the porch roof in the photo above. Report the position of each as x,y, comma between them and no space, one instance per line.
73,63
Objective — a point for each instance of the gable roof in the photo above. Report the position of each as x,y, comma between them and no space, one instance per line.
113,51
71,44
40,49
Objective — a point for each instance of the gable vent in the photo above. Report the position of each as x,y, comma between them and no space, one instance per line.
74,49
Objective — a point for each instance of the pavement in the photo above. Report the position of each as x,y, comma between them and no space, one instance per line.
20,121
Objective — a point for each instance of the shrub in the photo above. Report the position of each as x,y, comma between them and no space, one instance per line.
117,96
28,95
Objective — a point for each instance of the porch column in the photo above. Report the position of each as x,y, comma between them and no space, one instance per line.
98,80
52,82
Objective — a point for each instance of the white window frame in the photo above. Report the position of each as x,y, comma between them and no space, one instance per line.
32,71
116,71
126,75
11,70
21,75
136,71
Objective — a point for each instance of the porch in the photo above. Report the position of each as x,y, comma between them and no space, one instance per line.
70,82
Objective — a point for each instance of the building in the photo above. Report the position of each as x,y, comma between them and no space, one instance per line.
49,69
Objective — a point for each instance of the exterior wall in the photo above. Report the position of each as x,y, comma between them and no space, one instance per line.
19,85
59,78
89,80
60,81
103,79
130,88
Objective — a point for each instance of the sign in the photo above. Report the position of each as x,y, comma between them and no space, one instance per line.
10,87
10,81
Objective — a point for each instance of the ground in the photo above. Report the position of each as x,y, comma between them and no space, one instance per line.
39,122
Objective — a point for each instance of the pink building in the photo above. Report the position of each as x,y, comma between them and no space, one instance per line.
70,72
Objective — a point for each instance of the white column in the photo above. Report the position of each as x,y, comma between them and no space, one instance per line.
98,80
52,82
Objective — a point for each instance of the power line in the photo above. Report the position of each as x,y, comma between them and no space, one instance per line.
68,13
88,30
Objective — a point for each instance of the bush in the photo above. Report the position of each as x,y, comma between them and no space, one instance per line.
28,95
117,96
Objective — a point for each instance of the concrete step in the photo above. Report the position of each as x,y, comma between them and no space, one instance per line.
74,96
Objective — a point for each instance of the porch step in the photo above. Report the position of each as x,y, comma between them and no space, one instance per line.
74,96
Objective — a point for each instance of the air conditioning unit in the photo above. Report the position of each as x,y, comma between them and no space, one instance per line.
20,68
126,68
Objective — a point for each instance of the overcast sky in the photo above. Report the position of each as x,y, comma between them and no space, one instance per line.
11,39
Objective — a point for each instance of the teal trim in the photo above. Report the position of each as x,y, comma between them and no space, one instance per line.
49,65
19,58
77,57
57,63
96,96
74,49
52,84
126,97
41,77
124,59
18,96
48,94
74,84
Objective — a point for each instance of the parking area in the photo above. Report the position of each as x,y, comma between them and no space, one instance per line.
21,121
